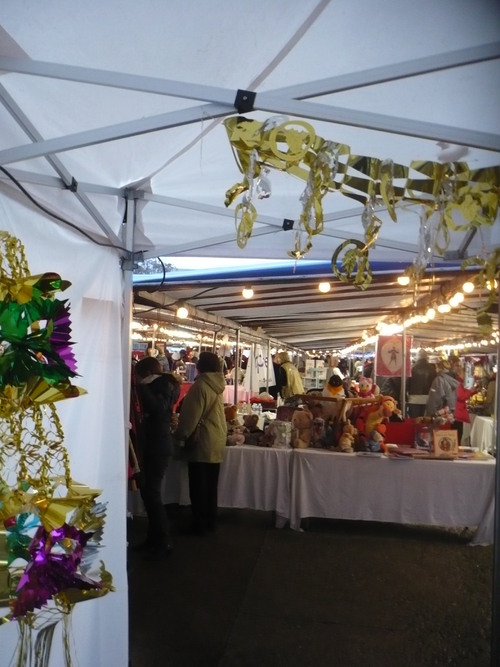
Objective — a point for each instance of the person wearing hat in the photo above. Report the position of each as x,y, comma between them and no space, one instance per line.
419,384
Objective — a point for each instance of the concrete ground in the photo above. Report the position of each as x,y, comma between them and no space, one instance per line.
338,594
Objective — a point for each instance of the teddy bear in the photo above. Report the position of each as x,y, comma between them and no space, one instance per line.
252,433
302,424
235,434
347,438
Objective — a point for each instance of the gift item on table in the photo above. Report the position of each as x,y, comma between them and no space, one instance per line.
423,437
443,417
278,434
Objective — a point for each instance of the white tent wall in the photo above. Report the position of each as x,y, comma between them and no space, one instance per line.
94,423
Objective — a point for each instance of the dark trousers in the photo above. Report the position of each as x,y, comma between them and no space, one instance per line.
203,482
152,472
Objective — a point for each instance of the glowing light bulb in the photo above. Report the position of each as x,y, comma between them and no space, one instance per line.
324,287
468,287
431,313
247,292
444,308
182,312
404,280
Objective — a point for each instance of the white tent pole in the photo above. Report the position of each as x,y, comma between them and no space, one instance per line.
128,266
495,604
236,366
402,393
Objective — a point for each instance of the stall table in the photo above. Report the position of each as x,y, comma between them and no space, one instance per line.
421,492
256,478
250,477
482,433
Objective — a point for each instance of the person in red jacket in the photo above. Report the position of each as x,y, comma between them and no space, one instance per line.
461,412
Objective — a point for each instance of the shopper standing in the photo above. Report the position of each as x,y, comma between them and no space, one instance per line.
293,384
203,405
157,393
419,384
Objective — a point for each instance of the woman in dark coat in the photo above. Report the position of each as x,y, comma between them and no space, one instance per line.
157,393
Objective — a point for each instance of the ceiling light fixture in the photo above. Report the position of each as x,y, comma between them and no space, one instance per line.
247,292
324,287
182,312
468,287
444,308
404,280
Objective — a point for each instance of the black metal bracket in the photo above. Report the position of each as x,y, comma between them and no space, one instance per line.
287,224
244,101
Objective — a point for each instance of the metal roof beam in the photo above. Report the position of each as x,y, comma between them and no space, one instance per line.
23,121
113,132
394,72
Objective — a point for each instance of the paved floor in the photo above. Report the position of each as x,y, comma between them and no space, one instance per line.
340,593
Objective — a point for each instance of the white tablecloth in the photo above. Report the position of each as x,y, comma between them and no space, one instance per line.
250,477
346,486
256,478
482,433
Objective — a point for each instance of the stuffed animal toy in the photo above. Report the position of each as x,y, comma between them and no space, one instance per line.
250,422
252,433
375,441
235,432
302,424
334,388
236,437
373,415
366,388
231,413
318,432
347,438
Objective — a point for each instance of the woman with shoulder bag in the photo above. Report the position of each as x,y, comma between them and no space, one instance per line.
202,412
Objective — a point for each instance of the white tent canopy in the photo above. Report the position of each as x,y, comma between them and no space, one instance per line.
111,119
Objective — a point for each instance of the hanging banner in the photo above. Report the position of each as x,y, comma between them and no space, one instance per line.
256,371
389,356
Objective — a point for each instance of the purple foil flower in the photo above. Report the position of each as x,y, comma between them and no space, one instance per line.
53,568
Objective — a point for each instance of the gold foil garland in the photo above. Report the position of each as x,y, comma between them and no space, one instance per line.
293,146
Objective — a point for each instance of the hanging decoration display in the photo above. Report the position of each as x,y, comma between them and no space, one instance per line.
451,190
50,525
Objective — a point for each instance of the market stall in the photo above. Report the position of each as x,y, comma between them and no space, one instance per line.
397,490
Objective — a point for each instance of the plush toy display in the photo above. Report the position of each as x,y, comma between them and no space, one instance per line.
302,424
366,388
347,438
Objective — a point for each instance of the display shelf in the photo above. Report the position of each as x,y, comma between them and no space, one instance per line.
314,377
